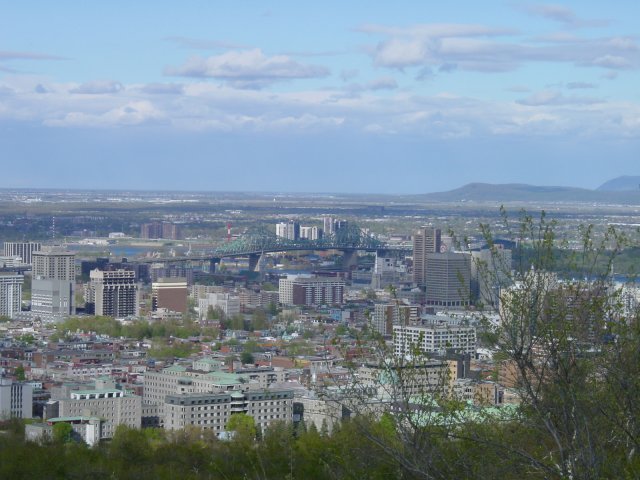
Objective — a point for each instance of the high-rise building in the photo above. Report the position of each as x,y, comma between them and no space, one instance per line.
170,293
22,250
448,279
310,233
115,293
151,230
55,294
426,240
310,290
54,263
385,316
10,293
171,231
288,230
51,297
154,230
328,224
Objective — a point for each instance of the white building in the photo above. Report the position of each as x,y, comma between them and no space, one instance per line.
310,233
311,290
10,294
229,304
22,250
433,339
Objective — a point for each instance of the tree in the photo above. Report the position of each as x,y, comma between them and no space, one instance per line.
259,319
575,347
247,357
19,373
243,425
62,432
237,322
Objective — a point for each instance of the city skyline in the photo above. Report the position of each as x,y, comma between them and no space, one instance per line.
357,98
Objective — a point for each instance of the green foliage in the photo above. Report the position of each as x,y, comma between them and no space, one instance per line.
259,319
164,351
138,329
247,357
62,432
19,373
27,338
237,322
243,425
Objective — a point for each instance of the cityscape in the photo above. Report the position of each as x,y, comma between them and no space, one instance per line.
232,246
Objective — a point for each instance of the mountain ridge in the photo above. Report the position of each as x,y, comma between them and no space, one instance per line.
522,192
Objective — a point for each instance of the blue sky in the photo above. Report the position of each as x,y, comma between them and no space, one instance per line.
390,97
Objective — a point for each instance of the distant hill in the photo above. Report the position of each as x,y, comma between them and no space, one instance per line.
518,192
621,184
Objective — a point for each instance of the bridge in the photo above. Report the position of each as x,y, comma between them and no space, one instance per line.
256,242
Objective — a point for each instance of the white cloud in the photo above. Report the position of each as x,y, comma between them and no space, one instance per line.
202,106
247,68
562,14
554,97
98,87
132,113
580,85
486,49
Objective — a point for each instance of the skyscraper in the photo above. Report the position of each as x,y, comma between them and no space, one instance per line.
54,275
115,293
54,263
426,240
448,279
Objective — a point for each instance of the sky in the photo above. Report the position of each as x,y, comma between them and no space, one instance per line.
332,96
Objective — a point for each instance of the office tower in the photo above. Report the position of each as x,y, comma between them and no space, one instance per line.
426,240
22,250
170,293
448,279
58,265
16,399
54,263
51,297
115,293
10,294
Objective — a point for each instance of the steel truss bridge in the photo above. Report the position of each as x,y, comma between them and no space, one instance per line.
258,241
